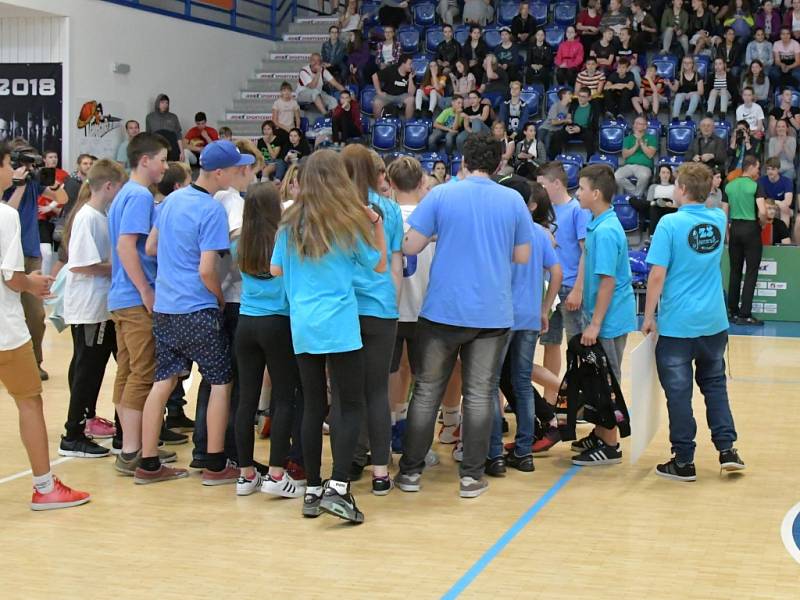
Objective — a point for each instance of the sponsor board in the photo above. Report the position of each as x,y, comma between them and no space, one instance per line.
279,75
290,55
316,20
305,37
248,116
250,95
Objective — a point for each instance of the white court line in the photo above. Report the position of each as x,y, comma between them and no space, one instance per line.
53,463
786,533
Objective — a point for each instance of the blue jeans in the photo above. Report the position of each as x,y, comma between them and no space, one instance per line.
520,348
674,357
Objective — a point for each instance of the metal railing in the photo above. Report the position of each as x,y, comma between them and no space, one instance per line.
260,18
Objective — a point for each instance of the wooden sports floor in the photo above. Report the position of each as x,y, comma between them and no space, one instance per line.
603,532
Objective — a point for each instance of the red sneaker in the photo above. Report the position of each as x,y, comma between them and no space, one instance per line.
230,474
99,428
551,437
62,496
296,472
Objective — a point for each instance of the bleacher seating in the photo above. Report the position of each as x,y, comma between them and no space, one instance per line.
408,37
415,134
538,10
506,12
367,97
455,164
628,216
425,14
612,134
461,33
384,135
554,35
795,98
565,13
666,66
491,35
604,159
573,163
419,63
679,137
433,35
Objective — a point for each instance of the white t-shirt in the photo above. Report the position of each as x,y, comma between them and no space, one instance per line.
752,115
416,273
233,203
86,296
13,331
306,76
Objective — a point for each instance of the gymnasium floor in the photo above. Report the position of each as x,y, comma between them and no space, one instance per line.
618,532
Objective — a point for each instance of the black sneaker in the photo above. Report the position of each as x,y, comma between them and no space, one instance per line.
381,486
82,448
505,425
180,422
751,320
602,454
311,503
729,461
587,443
520,463
171,438
496,467
340,505
43,375
674,470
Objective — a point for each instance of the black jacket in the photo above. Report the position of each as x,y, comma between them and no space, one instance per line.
594,113
715,146
734,58
540,55
448,51
480,52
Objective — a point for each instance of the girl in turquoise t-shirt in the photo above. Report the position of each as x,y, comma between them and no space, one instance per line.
324,237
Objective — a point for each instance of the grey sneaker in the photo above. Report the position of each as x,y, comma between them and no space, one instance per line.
408,482
166,456
341,505
431,459
472,488
127,467
311,502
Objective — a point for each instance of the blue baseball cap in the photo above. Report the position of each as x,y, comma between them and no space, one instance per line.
223,155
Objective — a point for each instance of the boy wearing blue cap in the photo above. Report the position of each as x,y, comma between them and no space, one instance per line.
190,234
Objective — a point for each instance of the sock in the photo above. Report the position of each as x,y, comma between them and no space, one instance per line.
276,477
450,415
403,412
394,418
44,483
339,486
554,422
150,463
129,455
314,490
215,461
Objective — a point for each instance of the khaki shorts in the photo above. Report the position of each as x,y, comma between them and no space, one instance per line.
136,356
19,372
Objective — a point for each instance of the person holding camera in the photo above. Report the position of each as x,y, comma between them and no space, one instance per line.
741,145
28,185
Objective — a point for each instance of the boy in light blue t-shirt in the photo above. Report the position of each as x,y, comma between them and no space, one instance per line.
608,301
692,324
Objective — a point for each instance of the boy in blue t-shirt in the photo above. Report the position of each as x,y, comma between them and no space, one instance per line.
685,255
189,236
608,300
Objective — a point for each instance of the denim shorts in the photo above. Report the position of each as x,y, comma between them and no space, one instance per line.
193,337
561,320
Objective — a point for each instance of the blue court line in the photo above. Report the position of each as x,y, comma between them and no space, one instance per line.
488,556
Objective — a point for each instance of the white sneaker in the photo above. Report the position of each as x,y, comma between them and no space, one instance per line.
245,487
286,487
450,434
458,452
431,459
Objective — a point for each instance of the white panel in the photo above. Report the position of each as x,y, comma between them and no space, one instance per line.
31,39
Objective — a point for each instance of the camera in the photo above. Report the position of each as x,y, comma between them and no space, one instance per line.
33,161
739,135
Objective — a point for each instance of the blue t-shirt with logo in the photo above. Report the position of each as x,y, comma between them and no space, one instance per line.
190,223
322,302
689,244
375,292
607,254
478,223
131,213
778,189
527,281
571,222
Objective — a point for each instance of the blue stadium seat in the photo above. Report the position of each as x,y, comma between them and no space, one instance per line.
322,122
303,124
654,127
455,164
367,97
408,37
573,164
428,159
723,129
702,63
538,10
390,156
425,14
628,216
507,12
384,135
491,35
365,124
554,35
679,138
612,134
433,35
795,98
532,96
565,13
415,134
552,96
670,161
604,159
666,66
461,34
419,63
496,98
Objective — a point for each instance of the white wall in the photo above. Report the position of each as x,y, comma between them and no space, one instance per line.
199,67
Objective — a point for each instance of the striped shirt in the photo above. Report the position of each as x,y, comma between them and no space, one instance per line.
720,82
590,81
648,89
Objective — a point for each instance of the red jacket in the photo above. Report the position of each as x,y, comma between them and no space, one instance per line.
355,113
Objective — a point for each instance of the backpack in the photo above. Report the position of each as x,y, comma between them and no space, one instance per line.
590,386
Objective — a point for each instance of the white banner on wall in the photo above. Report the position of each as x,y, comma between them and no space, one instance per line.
99,130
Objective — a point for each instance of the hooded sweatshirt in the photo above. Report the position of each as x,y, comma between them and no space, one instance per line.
157,121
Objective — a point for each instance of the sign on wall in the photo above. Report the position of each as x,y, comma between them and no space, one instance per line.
30,104
100,131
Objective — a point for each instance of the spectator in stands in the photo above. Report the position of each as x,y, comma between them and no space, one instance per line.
625,50
529,154
615,17
448,11
49,211
272,144
759,49
448,125
448,50
478,12
651,92
394,86
716,195
604,51
462,79
477,115
523,26
334,54
657,203
756,78
592,78
507,54
557,118
619,90
582,121
740,18
495,80
313,77
474,51
569,58
707,147
387,53
346,121
439,172
787,111
167,124
393,13
644,28
359,59
638,150
785,71
702,27
722,86
752,113
350,19
769,21
688,86
791,20
778,188
514,112
225,133
73,183
674,25
286,110
131,130
588,25
434,88
198,137
778,229
741,146
731,52
500,133
297,148
540,60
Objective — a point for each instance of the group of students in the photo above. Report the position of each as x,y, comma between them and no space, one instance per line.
323,281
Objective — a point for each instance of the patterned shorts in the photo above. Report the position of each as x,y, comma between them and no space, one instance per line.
194,337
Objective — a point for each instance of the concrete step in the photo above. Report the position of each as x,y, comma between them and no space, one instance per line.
283,65
296,47
315,38
252,105
270,85
315,27
282,75
243,128
248,116
316,19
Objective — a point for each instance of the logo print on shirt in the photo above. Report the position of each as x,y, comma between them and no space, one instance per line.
705,238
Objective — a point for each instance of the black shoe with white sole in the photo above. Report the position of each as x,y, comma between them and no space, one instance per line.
340,505
729,461
82,448
674,470
601,454
586,443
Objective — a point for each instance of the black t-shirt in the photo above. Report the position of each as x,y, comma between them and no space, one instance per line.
519,26
626,52
615,79
779,232
603,52
506,56
471,112
777,112
393,82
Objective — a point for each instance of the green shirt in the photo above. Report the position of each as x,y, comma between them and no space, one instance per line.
741,194
639,157
581,116
448,118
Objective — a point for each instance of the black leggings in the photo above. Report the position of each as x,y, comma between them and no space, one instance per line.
260,342
378,337
347,380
